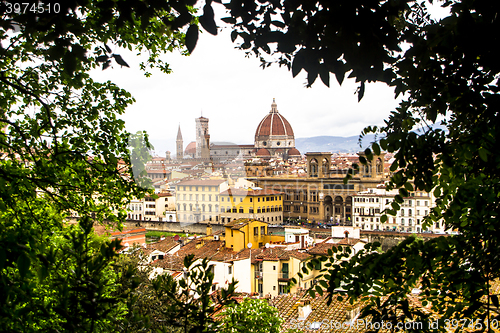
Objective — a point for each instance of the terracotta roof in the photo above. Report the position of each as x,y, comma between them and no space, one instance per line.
299,255
349,241
293,152
201,248
273,124
105,231
226,254
171,262
263,152
273,254
190,148
240,223
163,245
157,171
322,312
321,248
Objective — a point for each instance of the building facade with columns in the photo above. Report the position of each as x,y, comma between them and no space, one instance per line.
322,196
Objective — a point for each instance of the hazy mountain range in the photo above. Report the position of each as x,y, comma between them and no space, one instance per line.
332,144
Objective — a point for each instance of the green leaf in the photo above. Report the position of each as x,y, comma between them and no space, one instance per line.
191,37
298,63
102,58
120,60
23,264
229,20
207,20
376,148
408,186
483,154
361,91
234,35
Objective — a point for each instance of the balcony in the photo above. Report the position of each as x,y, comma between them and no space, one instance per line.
258,274
284,276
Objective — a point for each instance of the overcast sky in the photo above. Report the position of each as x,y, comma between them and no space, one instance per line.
235,94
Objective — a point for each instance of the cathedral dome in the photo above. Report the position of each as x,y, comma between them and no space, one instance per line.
263,152
294,152
273,124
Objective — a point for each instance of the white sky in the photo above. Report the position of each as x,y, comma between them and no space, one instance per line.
235,94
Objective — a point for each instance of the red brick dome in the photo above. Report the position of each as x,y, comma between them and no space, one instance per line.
263,152
293,152
273,124
190,149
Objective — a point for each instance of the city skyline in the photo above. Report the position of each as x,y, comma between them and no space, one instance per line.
218,82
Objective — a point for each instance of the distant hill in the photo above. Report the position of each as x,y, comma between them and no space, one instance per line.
332,144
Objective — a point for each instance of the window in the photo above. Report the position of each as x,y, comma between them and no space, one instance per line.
230,270
256,231
263,230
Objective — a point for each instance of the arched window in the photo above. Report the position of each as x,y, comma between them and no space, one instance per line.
313,167
325,167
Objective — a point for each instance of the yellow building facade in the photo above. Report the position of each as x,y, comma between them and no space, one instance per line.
262,205
242,232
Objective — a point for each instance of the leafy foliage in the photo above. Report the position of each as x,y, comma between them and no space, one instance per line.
252,315
64,151
162,303
448,76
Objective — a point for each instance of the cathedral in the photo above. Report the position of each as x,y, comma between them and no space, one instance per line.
274,138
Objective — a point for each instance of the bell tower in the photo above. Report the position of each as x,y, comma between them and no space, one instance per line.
179,144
